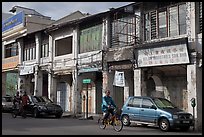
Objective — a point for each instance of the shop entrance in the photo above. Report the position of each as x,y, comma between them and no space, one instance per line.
155,87
62,93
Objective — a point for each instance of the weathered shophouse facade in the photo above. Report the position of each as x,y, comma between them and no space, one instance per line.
89,63
63,36
168,62
123,34
85,62
14,47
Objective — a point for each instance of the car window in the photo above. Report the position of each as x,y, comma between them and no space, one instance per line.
35,99
3,99
7,99
45,99
130,102
146,103
136,102
163,103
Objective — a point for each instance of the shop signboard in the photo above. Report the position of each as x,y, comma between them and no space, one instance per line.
82,70
119,79
25,70
166,55
13,22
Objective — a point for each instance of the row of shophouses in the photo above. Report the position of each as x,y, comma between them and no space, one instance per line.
144,48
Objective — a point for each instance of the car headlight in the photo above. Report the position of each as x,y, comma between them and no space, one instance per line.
191,117
42,108
175,116
3,104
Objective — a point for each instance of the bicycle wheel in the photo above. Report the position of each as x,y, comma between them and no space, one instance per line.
23,114
14,114
117,125
101,123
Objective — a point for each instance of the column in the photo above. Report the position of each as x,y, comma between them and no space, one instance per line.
38,45
194,88
75,93
49,85
137,82
36,81
50,67
21,84
21,79
105,82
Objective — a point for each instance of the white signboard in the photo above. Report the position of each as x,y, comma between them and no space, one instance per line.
169,55
119,79
25,70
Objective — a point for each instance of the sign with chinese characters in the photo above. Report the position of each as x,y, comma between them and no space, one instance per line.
119,79
169,55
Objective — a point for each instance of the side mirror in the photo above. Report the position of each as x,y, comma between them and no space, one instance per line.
193,104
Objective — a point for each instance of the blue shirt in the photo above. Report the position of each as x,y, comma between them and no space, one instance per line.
107,100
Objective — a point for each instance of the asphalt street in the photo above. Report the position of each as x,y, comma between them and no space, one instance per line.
73,126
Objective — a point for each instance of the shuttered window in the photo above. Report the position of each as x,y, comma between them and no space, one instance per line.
200,17
173,21
162,24
29,49
153,20
182,19
166,21
147,28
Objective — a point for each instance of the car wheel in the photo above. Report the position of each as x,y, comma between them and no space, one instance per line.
186,128
144,125
126,120
164,124
36,113
58,115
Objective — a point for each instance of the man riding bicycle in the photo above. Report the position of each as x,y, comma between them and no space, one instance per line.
108,105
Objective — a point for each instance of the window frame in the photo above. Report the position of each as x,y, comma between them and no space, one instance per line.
145,106
68,38
9,50
148,35
29,52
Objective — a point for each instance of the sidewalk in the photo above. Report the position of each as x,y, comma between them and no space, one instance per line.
71,115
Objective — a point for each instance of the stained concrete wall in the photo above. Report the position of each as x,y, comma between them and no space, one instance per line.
176,87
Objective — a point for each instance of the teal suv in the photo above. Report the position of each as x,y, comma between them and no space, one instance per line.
157,111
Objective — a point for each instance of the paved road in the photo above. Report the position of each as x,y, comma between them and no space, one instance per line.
71,126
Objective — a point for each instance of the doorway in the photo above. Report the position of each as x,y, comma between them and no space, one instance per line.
62,94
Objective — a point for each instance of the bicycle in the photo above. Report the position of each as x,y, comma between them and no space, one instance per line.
18,112
113,120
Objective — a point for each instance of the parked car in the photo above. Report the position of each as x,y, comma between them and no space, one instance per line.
7,103
157,111
42,106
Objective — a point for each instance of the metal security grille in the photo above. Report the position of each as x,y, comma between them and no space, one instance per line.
124,31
